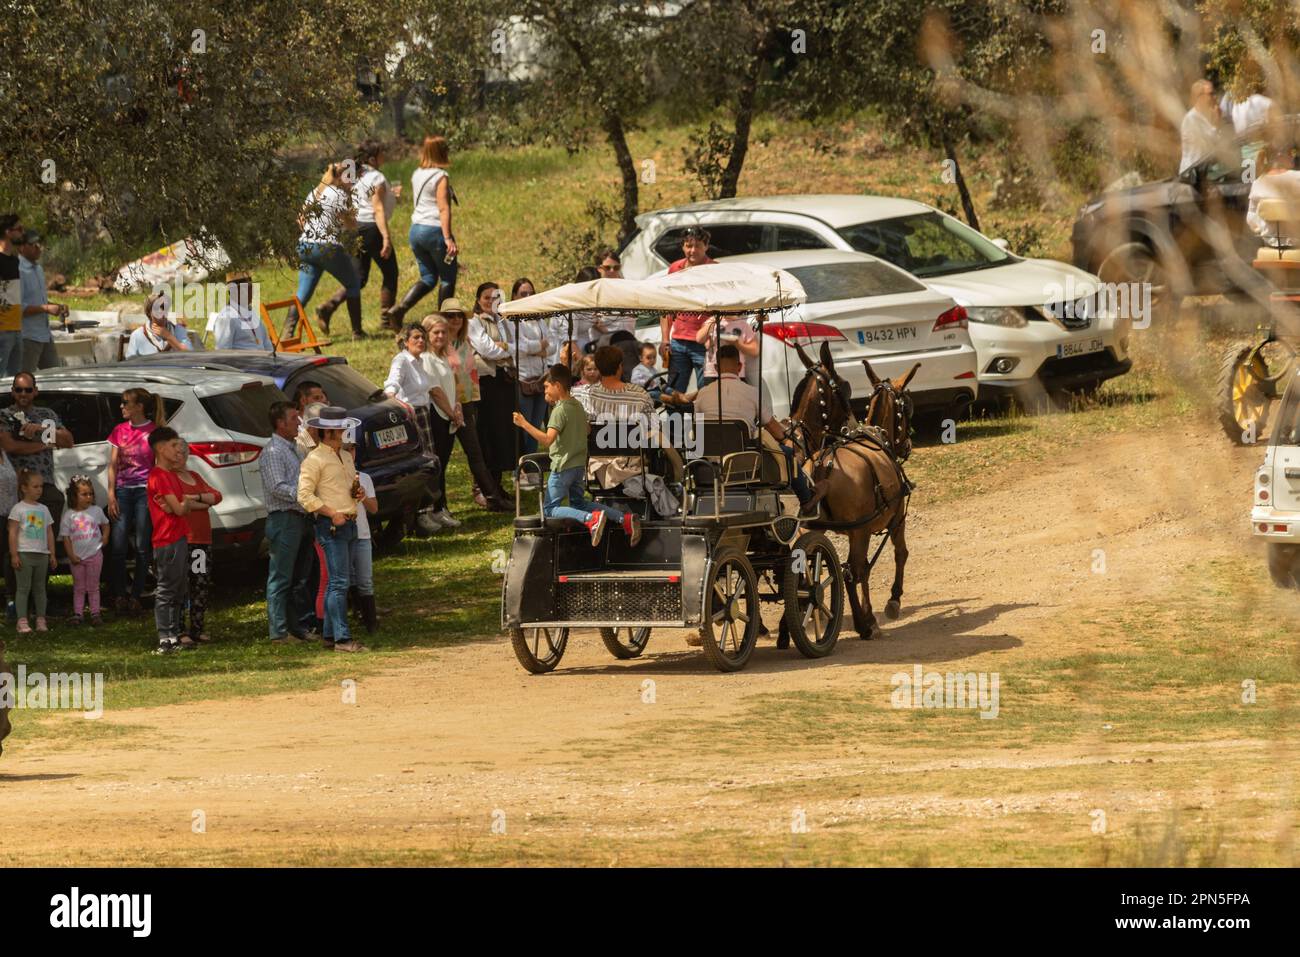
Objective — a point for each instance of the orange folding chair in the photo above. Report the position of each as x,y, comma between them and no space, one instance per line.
296,334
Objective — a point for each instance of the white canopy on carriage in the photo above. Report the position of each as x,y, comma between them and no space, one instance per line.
718,287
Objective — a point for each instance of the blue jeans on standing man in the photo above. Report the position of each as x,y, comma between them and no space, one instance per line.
316,259
11,352
132,527
336,542
430,251
568,484
684,357
288,592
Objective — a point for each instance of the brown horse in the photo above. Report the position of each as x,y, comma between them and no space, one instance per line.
859,467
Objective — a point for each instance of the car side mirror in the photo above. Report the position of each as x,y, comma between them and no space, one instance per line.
1002,245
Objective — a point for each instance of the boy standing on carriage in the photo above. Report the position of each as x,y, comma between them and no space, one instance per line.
566,438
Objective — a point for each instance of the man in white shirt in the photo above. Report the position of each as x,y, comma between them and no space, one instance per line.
1199,131
237,326
731,397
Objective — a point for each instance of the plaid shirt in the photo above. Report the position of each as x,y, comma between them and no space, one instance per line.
280,466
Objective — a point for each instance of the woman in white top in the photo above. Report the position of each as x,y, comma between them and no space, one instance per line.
158,333
326,218
432,242
373,200
408,383
532,352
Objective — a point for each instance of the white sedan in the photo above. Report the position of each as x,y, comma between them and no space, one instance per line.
1026,339
865,308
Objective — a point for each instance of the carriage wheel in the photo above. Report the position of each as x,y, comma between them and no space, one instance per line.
625,642
1248,383
814,596
731,612
539,650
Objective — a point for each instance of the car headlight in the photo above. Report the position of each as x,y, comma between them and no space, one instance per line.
997,316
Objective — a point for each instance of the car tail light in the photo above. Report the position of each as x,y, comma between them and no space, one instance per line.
1279,528
1263,526
809,331
1263,495
954,318
219,455
965,375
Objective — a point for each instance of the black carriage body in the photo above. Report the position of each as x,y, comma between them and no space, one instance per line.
556,578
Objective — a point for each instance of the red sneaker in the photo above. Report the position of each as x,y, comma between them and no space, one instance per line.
632,526
596,525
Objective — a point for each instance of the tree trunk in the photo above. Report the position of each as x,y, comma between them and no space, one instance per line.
617,136
744,120
967,204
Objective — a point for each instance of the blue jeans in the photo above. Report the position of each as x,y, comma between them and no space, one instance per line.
11,352
132,527
336,542
534,409
363,569
288,590
430,251
568,484
316,259
684,357
803,489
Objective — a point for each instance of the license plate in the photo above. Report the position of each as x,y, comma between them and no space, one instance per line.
1065,350
887,334
387,438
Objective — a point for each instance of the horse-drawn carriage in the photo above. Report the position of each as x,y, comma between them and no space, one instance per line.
733,542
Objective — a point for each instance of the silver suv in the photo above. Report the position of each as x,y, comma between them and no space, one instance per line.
222,415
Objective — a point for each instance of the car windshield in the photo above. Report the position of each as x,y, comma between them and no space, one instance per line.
343,384
828,282
926,244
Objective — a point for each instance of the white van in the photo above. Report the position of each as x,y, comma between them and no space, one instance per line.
1275,516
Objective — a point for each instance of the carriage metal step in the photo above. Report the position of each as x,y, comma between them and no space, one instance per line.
666,575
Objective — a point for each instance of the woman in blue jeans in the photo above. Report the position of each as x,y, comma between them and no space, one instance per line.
432,242
128,504
326,217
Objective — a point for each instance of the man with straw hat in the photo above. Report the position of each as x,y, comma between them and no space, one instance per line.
329,490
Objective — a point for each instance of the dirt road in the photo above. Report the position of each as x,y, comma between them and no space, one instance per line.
458,756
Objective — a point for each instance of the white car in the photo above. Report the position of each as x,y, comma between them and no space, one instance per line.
865,308
1275,516
1026,342
223,416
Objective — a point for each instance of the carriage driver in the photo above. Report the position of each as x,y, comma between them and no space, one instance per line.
737,399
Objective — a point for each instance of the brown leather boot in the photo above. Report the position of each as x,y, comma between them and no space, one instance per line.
325,311
395,314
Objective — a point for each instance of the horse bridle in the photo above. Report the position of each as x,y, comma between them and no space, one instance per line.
899,437
798,429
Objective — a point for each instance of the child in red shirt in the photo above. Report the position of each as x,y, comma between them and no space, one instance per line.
168,507
200,553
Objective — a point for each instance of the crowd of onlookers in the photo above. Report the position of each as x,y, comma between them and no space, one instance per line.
466,376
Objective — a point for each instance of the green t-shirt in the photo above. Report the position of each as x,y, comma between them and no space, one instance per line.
569,450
